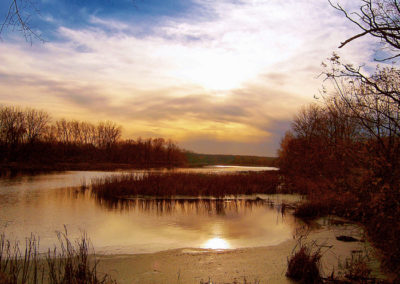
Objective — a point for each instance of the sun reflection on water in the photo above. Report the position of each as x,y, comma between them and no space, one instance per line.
216,243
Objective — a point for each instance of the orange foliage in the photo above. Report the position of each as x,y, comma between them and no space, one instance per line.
345,171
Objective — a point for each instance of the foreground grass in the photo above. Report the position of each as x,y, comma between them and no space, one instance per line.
185,184
304,266
67,263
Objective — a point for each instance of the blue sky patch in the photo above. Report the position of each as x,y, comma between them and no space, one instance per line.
46,16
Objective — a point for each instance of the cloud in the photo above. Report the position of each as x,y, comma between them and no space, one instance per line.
233,76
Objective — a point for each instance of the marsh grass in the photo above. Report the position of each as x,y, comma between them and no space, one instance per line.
356,268
304,263
66,263
185,184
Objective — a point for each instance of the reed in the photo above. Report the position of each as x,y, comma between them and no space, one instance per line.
66,263
304,264
184,184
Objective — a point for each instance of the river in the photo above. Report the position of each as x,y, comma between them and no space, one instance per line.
43,204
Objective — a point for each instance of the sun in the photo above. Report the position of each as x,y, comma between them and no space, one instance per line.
216,71
216,243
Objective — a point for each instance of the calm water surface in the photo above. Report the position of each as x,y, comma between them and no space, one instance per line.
44,203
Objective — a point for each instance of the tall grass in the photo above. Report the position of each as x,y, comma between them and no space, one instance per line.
185,184
66,263
304,263
303,266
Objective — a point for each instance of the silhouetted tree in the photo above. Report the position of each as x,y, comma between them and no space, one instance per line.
321,146
108,134
36,122
28,135
374,102
13,129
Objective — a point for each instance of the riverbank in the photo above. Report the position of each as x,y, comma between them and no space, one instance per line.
200,160
254,265
93,166
49,167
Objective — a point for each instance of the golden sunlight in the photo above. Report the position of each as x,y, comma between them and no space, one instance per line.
186,128
216,243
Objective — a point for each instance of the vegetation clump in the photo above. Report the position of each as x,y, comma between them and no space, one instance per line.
304,265
185,184
356,269
66,263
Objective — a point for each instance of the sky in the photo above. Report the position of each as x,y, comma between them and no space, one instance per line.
220,76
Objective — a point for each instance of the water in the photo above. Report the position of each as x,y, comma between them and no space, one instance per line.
42,204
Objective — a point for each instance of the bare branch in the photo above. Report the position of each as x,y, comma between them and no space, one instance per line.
18,17
378,18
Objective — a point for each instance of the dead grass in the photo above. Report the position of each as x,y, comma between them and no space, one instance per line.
356,268
67,263
185,184
304,265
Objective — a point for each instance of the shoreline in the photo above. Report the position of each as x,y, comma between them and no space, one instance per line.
255,264
57,167
26,167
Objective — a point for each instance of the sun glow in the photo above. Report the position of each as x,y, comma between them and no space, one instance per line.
216,243
214,69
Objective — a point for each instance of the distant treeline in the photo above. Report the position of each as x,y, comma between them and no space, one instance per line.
28,136
195,159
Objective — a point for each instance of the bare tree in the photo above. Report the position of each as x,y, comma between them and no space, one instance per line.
108,134
378,18
308,122
76,131
88,132
13,126
36,122
374,100
374,103
50,134
63,134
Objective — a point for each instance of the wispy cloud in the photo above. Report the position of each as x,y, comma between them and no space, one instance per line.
233,75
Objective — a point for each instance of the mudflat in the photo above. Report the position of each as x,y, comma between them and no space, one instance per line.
255,265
